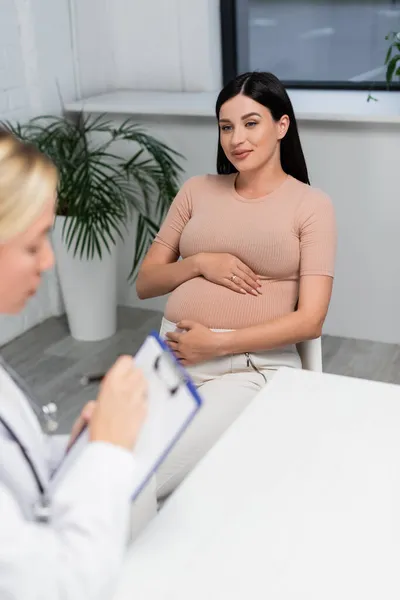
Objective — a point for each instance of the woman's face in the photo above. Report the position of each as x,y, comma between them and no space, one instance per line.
23,259
249,135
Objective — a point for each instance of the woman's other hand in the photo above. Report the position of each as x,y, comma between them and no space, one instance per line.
195,344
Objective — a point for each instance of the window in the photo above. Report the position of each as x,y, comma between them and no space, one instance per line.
331,44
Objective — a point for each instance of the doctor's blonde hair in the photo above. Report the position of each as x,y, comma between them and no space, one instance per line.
28,179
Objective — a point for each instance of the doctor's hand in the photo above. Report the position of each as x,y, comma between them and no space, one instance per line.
81,422
121,405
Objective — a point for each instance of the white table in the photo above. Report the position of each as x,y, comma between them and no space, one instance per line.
300,500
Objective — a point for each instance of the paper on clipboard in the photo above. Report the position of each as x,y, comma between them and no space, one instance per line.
172,403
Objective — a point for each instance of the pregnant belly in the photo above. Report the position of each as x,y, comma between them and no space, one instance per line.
217,307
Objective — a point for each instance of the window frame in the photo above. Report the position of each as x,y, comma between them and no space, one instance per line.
234,42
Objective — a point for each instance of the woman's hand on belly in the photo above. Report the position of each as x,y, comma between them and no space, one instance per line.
227,270
195,344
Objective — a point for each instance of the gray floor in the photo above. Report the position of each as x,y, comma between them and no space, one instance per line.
52,362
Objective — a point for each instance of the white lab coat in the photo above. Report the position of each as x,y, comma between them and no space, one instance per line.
76,556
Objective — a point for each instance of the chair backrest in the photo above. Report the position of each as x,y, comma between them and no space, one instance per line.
311,354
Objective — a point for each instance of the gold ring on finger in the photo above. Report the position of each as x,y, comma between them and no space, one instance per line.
233,278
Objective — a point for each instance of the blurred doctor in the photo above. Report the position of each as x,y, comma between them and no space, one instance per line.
64,544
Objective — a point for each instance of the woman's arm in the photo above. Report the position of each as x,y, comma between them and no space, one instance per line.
161,272
317,237
303,324
197,343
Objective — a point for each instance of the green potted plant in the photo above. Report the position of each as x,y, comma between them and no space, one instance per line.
101,190
392,60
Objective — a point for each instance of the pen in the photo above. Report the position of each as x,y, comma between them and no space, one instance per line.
95,378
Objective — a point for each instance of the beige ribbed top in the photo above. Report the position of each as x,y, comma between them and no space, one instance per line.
281,236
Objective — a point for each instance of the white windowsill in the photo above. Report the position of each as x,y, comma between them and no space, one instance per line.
309,105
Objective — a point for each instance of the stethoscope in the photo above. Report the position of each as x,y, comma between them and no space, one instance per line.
47,416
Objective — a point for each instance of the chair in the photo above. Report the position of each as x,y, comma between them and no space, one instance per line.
311,354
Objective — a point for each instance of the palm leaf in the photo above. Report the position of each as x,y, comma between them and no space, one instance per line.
391,67
390,60
100,190
145,232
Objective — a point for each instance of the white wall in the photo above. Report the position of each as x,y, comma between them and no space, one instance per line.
14,95
169,45
35,56
357,164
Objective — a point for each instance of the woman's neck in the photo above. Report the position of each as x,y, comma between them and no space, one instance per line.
260,182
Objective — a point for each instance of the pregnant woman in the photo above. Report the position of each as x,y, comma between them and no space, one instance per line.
247,257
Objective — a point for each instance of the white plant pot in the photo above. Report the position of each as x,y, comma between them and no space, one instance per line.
89,289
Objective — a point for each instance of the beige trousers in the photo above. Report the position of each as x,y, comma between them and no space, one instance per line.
227,386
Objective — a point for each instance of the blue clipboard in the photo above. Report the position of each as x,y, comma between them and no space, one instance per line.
173,402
